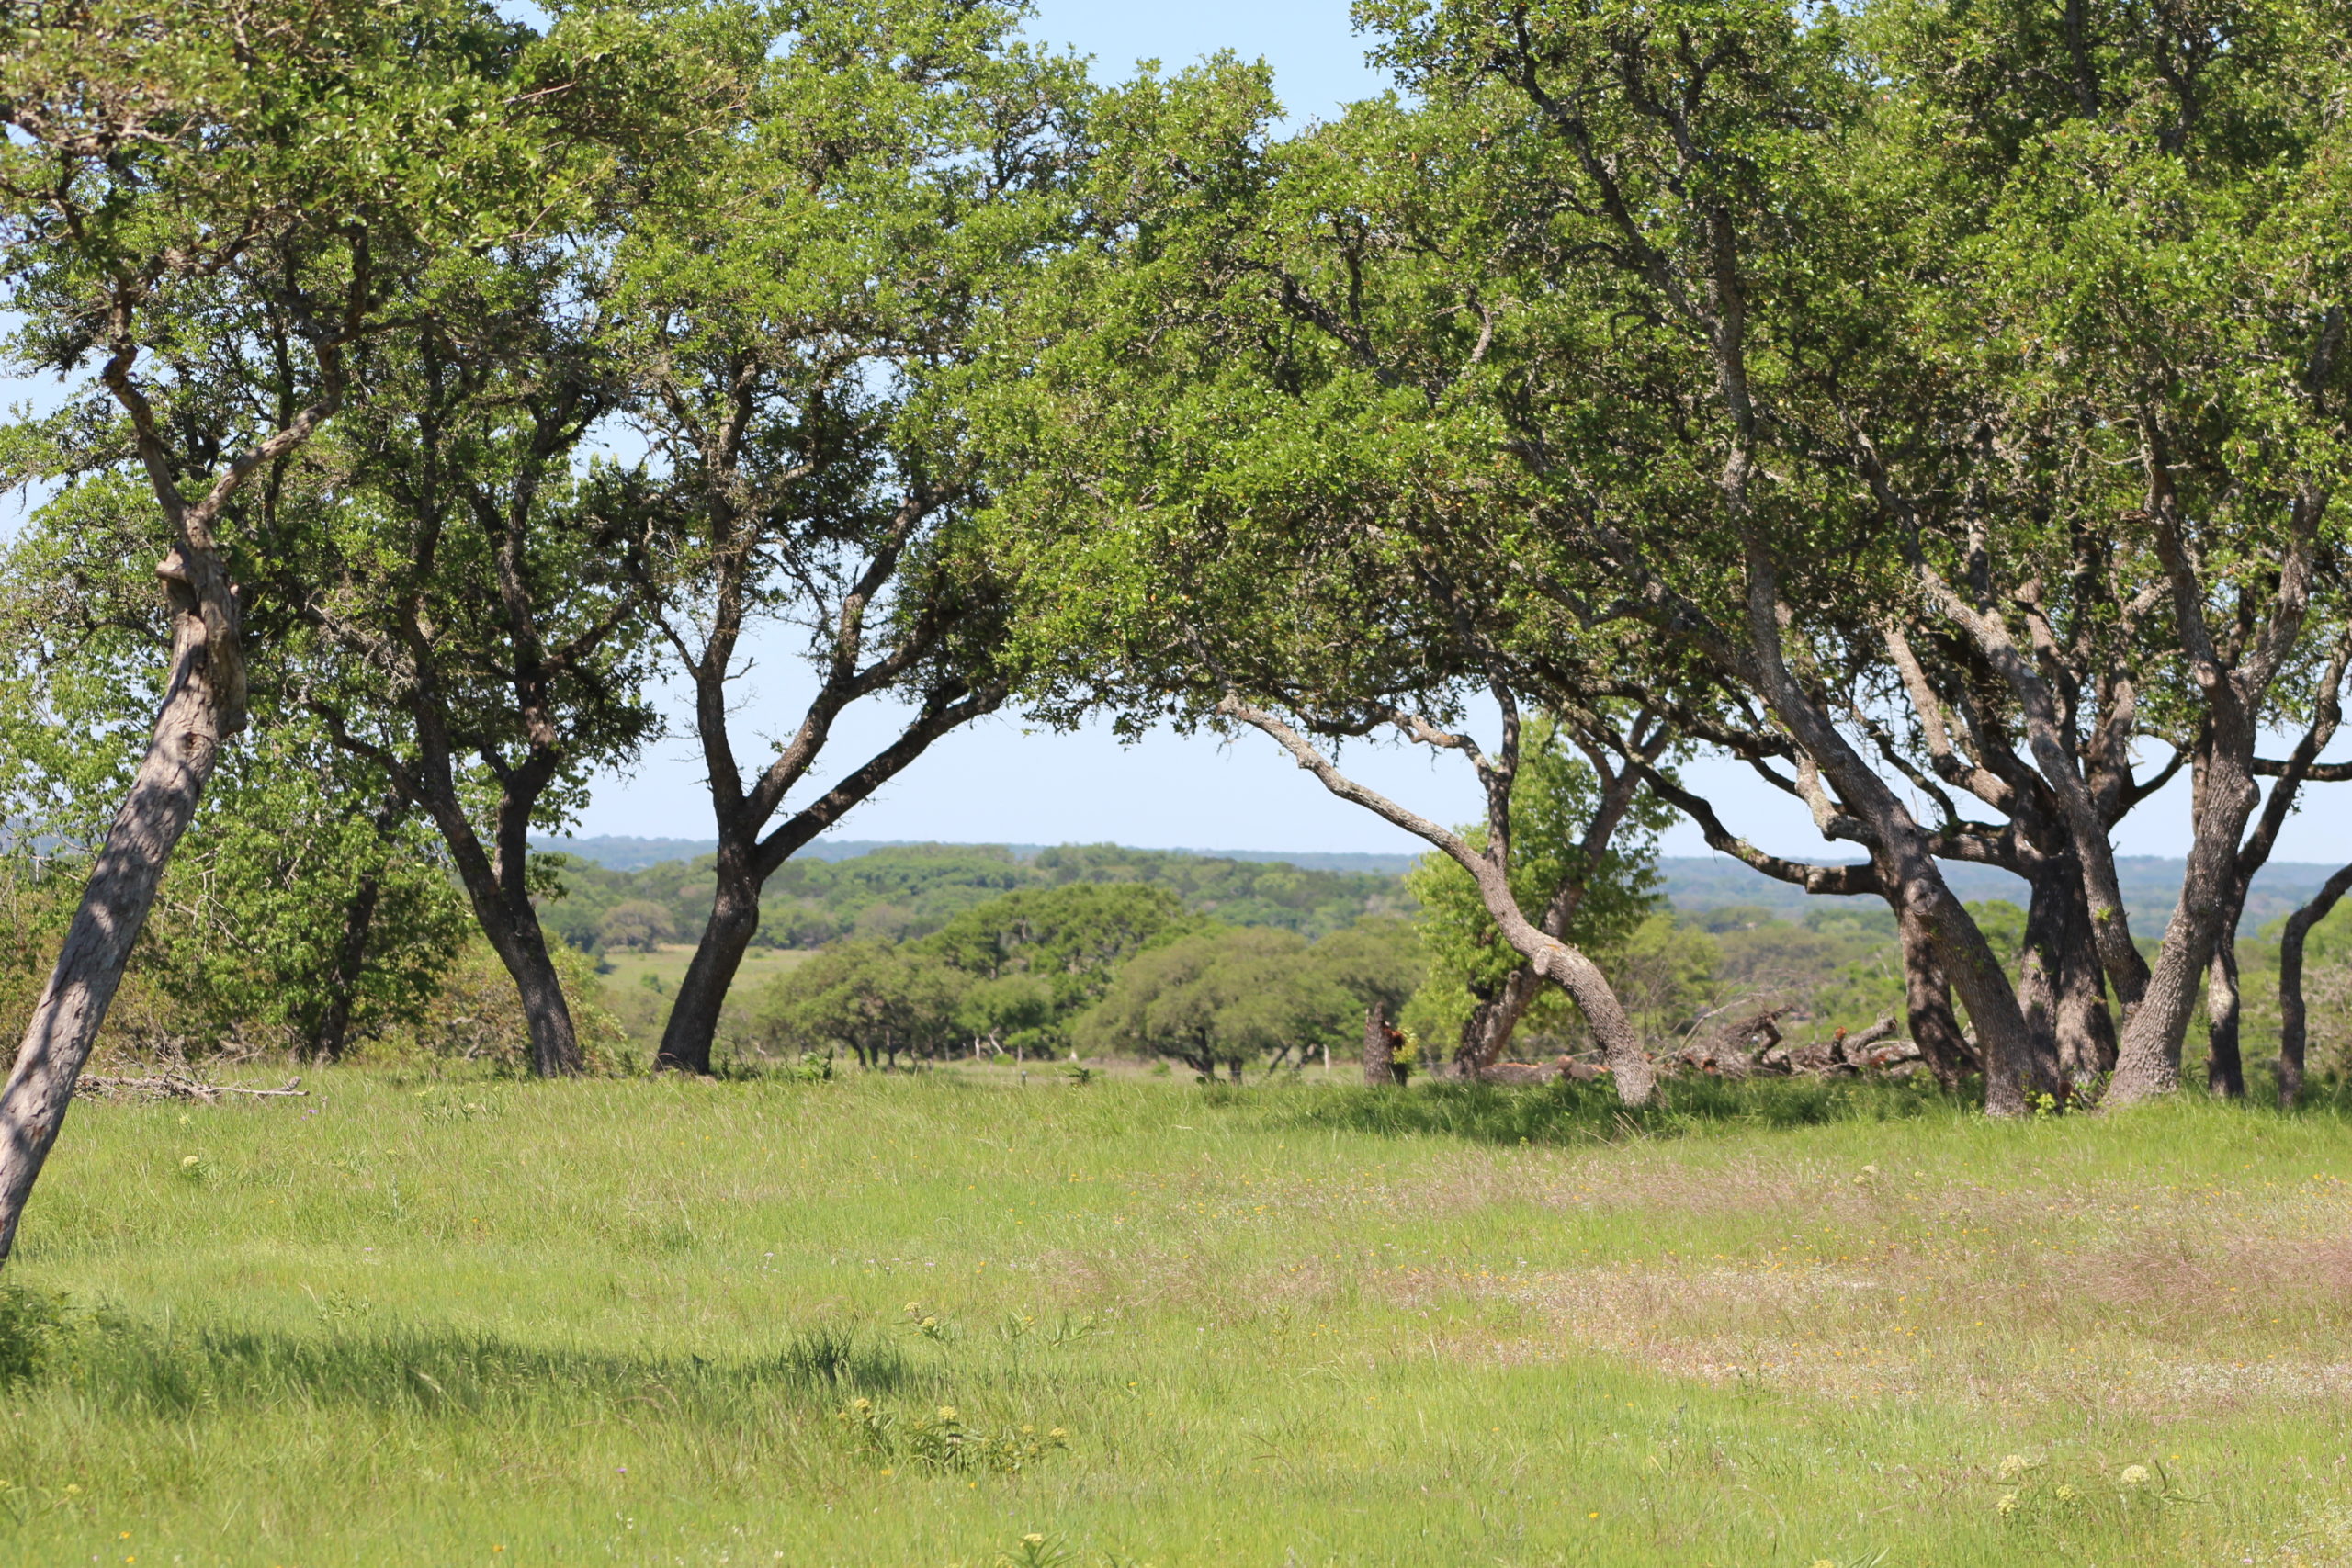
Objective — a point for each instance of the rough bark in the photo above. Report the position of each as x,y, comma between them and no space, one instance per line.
1927,1000
186,743
2048,973
2293,1020
1379,1052
2148,1056
2225,1066
204,703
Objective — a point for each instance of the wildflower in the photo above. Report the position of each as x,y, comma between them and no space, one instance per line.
2135,1475
861,1405
1058,1433
1033,1539
2014,1465
2008,1504
191,1162
948,1412
2067,1494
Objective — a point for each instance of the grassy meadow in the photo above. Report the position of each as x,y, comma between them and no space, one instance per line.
955,1318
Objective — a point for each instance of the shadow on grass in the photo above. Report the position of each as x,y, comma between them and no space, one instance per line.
171,1368
1564,1112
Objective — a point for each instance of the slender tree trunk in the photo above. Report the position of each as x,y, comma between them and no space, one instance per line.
350,962
692,1024
1926,1000
163,799
2293,1022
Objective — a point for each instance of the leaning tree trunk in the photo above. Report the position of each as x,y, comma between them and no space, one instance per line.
1621,1044
2293,1022
202,705
1926,1000
693,1015
522,946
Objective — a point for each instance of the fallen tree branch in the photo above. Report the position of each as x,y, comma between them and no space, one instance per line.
179,1086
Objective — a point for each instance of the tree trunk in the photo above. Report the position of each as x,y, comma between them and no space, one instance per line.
2293,1022
2224,1068
1486,1034
2086,1027
1927,998
2148,1058
350,960
522,946
2042,969
1379,1052
201,703
692,1024
1629,1065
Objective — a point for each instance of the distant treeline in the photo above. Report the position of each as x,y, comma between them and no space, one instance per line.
901,892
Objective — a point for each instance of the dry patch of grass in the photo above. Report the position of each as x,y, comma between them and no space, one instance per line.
2164,1300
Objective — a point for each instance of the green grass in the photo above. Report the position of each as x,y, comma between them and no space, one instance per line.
630,1321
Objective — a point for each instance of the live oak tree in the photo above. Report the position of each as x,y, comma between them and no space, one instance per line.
212,207
792,300
2144,324
475,609
1585,831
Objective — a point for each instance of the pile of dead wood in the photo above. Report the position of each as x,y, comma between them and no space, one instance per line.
1756,1046
1753,1047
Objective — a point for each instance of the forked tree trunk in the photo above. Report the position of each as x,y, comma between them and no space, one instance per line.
201,705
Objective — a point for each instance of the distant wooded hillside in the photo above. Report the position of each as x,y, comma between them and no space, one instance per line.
917,886
901,891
